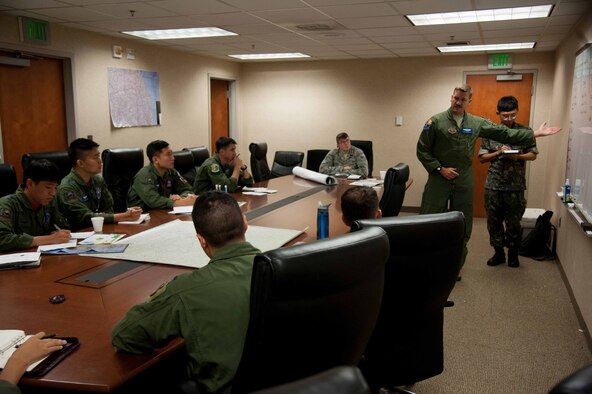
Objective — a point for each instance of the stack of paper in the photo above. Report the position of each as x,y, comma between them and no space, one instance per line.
143,217
20,260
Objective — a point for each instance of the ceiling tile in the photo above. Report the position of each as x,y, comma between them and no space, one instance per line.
509,25
185,7
90,2
173,22
358,10
399,38
73,14
491,4
34,15
259,5
118,25
140,10
374,22
389,31
300,15
570,20
358,47
317,3
262,28
408,45
575,8
232,19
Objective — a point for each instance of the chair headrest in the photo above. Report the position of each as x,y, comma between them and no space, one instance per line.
258,149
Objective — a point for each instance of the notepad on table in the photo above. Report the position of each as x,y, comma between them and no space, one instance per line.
142,218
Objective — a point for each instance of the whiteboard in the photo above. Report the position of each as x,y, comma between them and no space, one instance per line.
579,153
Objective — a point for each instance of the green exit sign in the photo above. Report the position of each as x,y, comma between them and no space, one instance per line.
500,60
34,30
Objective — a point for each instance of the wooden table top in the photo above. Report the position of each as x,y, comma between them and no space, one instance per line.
91,309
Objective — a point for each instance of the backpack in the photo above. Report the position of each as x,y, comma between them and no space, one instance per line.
536,244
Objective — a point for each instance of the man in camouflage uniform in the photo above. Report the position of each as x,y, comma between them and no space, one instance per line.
504,187
224,168
83,193
159,185
446,148
345,159
209,307
30,217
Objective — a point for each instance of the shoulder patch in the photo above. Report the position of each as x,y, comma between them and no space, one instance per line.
70,196
215,168
5,213
148,181
427,124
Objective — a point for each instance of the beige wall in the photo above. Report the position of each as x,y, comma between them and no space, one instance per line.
301,106
573,247
183,85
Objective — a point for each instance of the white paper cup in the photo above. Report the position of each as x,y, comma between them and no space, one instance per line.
97,223
382,174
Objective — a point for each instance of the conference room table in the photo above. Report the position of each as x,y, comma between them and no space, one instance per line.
92,308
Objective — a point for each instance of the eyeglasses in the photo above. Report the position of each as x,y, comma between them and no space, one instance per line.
508,116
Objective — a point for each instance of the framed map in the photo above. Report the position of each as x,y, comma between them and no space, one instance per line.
134,97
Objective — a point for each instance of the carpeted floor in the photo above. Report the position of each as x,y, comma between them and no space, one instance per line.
512,330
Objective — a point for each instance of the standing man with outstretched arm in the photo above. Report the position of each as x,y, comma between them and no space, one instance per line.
446,148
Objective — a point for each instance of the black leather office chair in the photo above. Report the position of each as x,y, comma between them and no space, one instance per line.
200,154
119,167
285,161
59,158
425,257
342,380
313,307
394,189
366,146
185,165
579,382
314,158
8,182
259,167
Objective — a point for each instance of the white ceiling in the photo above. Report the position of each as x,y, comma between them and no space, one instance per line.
361,28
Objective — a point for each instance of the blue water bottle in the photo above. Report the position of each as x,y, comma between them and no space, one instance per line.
323,221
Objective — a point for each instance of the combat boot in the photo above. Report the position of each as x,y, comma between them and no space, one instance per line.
513,258
498,258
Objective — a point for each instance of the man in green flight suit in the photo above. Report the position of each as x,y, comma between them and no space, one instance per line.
209,307
224,168
446,148
158,184
83,193
345,159
30,217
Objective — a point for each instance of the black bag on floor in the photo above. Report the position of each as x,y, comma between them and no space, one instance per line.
536,243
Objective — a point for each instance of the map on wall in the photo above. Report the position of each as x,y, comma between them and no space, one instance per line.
134,97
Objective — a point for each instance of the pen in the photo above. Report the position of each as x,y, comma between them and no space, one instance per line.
48,336
57,227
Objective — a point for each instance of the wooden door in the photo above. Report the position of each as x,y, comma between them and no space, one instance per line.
219,111
486,92
32,109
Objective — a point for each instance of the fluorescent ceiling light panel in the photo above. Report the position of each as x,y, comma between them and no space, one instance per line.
500,14
265,56
172,34
488,47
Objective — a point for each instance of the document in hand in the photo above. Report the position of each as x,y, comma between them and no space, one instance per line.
20,260
10,340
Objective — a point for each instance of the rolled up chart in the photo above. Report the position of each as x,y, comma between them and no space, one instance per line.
314,176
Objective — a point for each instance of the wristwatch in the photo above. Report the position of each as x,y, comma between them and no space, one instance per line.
243,167
438,168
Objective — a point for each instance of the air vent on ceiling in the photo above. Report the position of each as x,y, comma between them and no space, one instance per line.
457,43
320,26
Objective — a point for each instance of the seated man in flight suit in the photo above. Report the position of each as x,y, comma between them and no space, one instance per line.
83,193
158,184
208,307
30,217
224,168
